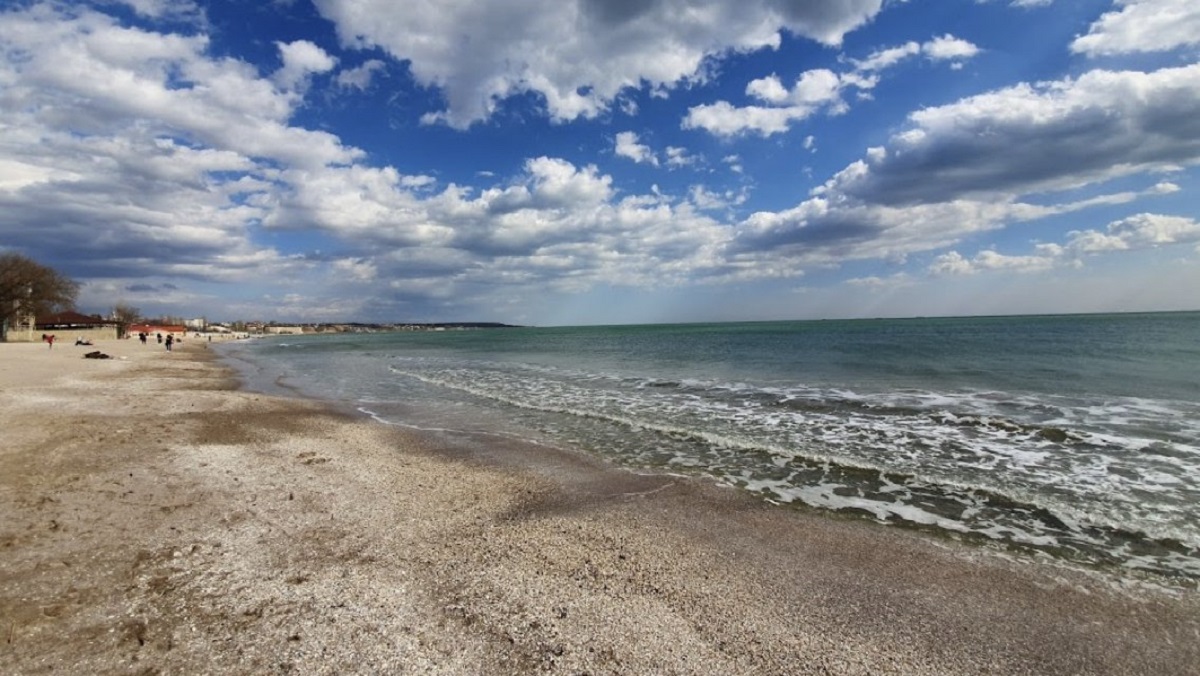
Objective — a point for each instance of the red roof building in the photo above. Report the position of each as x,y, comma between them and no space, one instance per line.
71,320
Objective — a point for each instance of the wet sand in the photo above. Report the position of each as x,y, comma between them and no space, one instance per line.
158,520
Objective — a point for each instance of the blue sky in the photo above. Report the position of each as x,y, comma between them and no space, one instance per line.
605,161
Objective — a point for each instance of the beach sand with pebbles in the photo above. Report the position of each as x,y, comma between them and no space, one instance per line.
156,519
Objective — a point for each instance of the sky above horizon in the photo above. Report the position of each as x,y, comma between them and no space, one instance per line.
560,162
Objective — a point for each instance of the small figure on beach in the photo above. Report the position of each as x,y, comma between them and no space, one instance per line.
82,341
159,338
49,340
142,337
170,341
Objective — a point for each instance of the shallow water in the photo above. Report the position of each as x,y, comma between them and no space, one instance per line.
1073,436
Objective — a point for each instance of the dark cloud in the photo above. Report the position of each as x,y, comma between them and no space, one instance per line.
82,225
1025,140
827,21
828,232
616,11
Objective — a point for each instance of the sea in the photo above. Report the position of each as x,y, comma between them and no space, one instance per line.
1072,439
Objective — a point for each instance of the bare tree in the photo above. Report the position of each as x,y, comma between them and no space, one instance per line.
30,288
124,314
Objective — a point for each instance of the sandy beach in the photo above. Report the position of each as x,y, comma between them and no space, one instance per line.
156,519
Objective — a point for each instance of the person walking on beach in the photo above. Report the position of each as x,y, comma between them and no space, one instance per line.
170,341
142,337
159,338
49,340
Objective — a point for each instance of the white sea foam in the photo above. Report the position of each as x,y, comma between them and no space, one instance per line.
1085,483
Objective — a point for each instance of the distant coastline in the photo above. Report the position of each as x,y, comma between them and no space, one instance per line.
280,328
367,327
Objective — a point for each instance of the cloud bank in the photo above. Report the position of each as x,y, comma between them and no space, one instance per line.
138,151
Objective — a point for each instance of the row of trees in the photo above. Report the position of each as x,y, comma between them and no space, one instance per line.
30,288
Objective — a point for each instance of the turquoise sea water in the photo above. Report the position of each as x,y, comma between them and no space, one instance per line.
1074,437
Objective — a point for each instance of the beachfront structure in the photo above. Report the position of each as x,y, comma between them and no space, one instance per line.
20,329
154,329
69,326
284,330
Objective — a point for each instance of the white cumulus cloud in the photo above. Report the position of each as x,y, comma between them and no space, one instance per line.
627,146
1140,231
360,77
1142,26
578,55
301,59
815,90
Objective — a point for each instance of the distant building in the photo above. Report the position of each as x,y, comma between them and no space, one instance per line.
155,329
